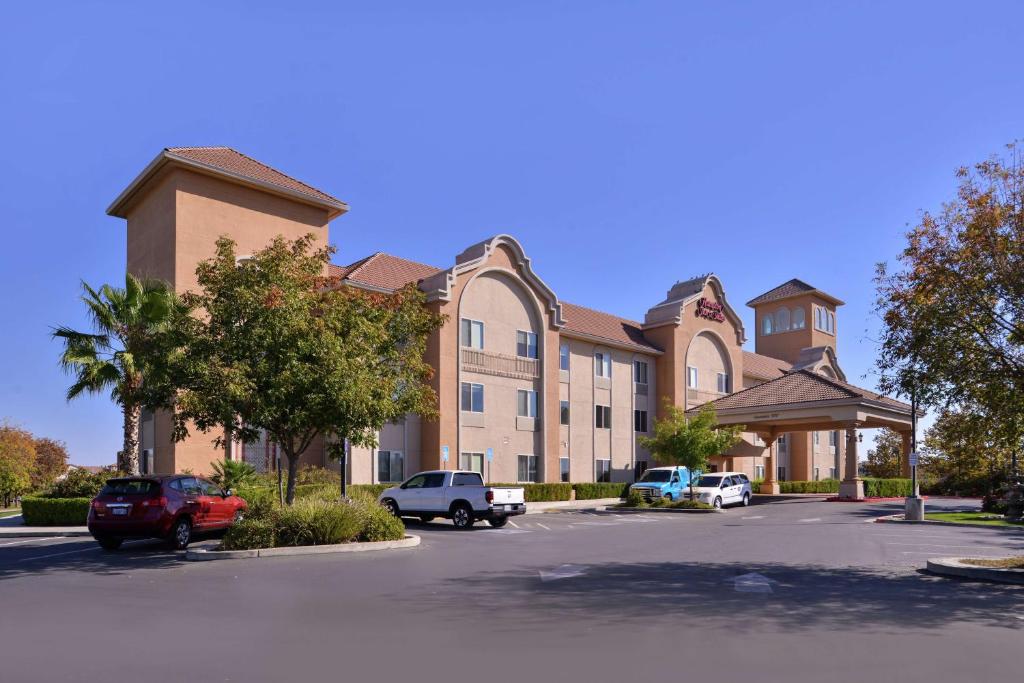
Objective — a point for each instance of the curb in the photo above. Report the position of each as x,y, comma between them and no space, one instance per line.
898,519
41,532
201,555
569,505
954,566
690,511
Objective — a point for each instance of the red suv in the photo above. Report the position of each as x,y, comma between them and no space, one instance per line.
172,507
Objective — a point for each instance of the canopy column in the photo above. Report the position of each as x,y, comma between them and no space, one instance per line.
905,455
769,485
852,485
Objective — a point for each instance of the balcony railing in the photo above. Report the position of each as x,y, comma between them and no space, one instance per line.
489,363
696,397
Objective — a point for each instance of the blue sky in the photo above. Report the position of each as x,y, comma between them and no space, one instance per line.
627,145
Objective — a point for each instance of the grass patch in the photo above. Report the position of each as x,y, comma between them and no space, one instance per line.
1003,563
9,513
986,518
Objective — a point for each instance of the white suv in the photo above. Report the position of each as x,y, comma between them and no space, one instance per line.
722,488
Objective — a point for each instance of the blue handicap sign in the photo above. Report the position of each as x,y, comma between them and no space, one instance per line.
490,454
444,453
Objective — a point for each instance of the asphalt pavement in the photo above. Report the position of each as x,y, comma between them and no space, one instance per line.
792,590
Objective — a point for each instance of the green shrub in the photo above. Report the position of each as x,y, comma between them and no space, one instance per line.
821,486
79,484
249,534
317,522
231,474
40,511
887,488
635,500
659,502
691,505
378,523
318,475
367,491
543,492
591,491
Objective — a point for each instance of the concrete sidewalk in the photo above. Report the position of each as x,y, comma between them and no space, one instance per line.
556,506
14,527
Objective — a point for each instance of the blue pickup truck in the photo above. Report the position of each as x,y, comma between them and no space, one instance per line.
663,482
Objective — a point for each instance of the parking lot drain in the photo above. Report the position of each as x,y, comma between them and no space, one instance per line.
565,571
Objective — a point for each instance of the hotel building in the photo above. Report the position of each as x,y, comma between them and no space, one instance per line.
530,387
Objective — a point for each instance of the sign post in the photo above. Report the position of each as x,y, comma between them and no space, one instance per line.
444,455
490,459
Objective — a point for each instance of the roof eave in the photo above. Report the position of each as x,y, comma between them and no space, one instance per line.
119,206
605,341
753,303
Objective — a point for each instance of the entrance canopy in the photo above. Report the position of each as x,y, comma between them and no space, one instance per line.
805,401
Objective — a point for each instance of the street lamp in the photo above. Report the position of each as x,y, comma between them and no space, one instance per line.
914,506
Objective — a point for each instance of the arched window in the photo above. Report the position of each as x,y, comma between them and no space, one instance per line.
782,320
766,325
799,318
832,323
819,322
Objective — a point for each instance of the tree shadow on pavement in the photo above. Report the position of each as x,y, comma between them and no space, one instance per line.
801,597
86,556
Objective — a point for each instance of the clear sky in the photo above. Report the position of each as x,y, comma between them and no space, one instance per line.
627,145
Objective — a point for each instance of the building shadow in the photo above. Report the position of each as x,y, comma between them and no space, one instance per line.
802,597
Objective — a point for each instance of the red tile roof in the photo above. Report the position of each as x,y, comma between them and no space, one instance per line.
593,323
234,162
764,367
783,291
383,271
800,386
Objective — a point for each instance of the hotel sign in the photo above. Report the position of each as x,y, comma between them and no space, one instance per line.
712,310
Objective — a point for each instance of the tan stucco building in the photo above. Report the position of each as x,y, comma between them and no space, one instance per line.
530,387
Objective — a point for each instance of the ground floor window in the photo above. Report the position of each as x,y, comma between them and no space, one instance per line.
563,466
712,467
603,470
640,421
473,462
639,469
527,468
782,474
390,466
817,473
831,472
758,471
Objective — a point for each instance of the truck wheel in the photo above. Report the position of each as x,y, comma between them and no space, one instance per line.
181,534
718,503
426,518
498,522
462,516
746,499
391,506
668,497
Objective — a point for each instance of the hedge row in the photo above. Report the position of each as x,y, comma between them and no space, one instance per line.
821,486
543,493
38,511
887,488
251,493
587,491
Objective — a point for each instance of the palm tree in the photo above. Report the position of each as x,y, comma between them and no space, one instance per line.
128,354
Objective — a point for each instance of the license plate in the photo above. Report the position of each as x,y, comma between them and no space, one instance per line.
119,511
509,507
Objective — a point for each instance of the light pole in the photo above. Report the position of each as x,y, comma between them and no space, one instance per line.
914,506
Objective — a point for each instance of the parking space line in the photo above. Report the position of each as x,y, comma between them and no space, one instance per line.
513,523
543,527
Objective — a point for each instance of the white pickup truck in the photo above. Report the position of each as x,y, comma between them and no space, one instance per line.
458,496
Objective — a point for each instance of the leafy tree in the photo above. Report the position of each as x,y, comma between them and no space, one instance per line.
283,349
51,462
135,333
230,474
884,459
17,457
953,312
80,483
964,454
689,441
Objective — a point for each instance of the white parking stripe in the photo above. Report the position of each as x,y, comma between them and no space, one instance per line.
24,540
945,545
513,523
754,517
543,527
810,519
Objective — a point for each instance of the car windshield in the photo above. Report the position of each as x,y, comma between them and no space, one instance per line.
128,487
709,481
656,476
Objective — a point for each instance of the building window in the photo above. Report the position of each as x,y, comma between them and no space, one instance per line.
833,437
759,472
817,438
527,468
563,468
782,320
831,323
602,364
472,333
766,325
799,318
817,474
640,371
831,472
526,344
723,383
390,466
527,403
602,470
640,421
563,412
824,320
603,417
782,474
563,357
472,397
691,377
472,462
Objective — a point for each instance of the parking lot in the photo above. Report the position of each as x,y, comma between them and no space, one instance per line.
560,596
